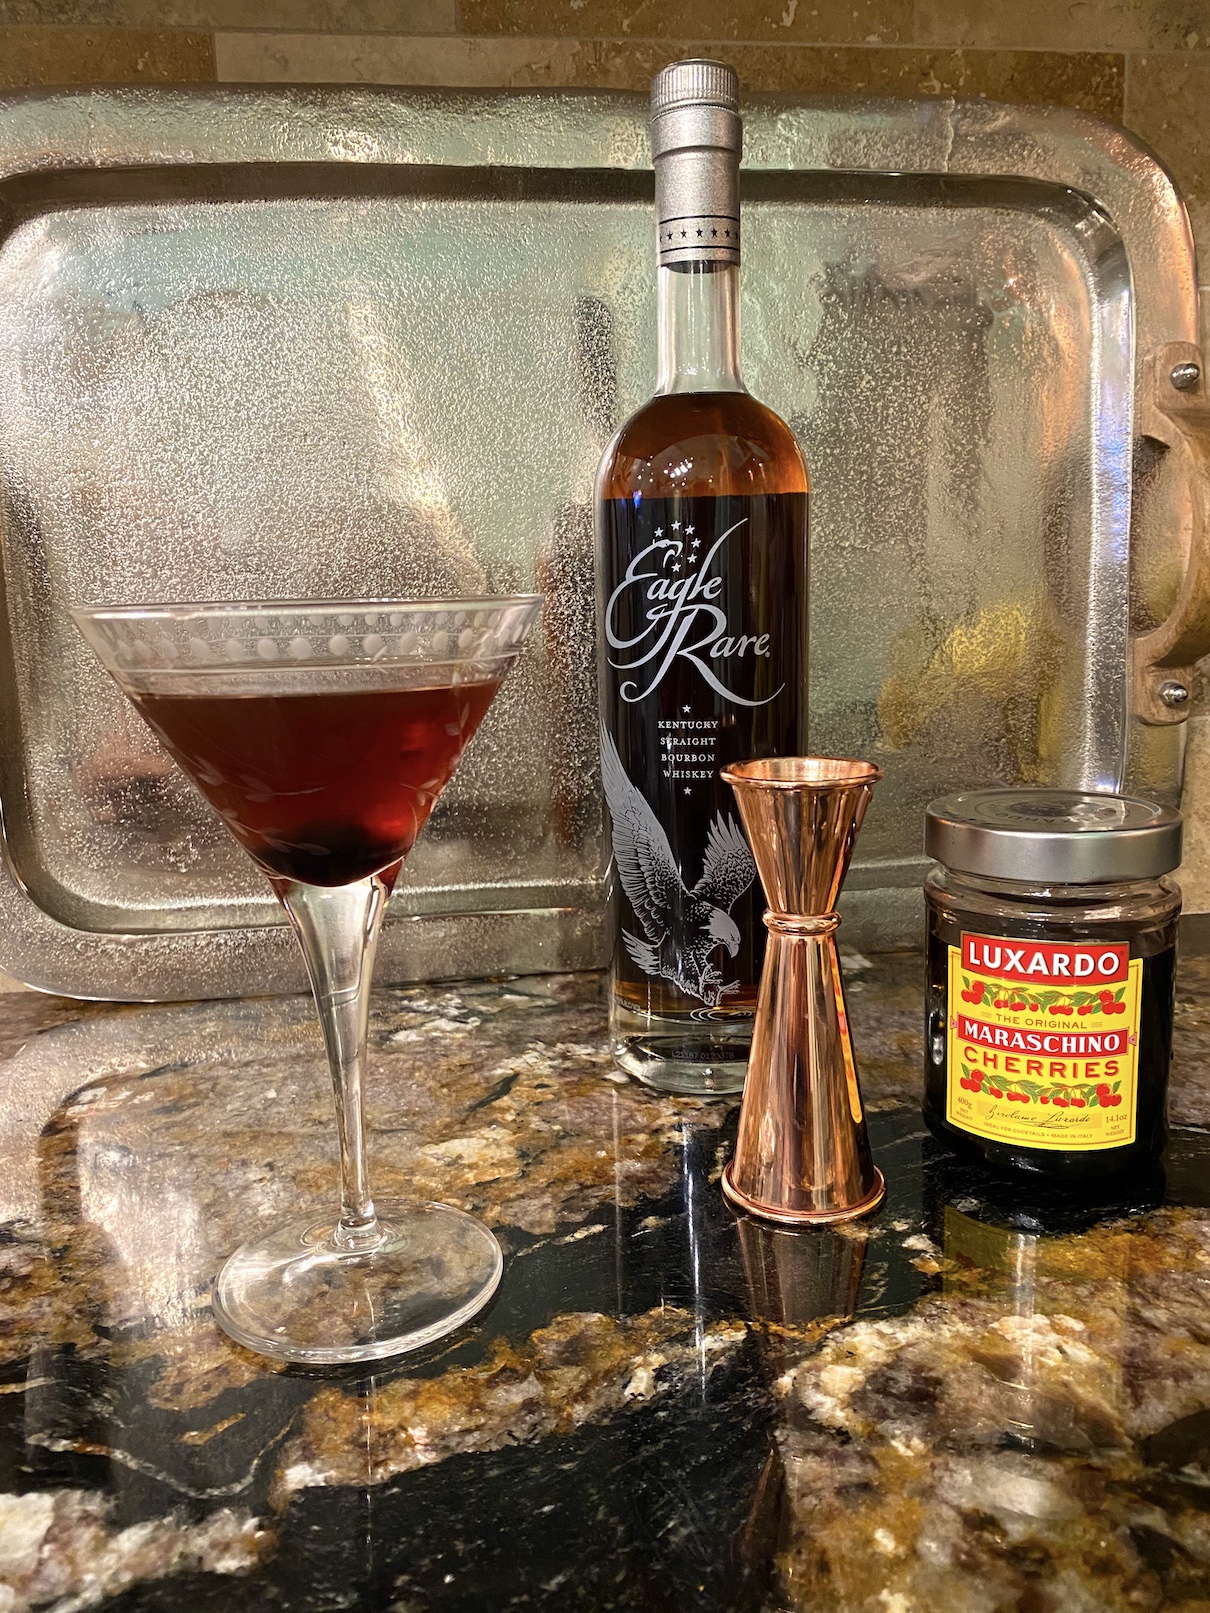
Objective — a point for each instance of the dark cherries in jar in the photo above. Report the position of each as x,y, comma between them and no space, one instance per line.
1051,969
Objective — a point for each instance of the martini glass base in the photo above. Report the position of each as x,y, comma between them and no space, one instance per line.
295,1295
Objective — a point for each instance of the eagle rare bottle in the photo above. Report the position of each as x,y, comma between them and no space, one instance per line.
702,619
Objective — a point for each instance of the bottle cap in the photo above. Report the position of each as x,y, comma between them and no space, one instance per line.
694,82
1052,837
696,142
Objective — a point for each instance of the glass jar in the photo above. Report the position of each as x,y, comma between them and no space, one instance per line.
1051,968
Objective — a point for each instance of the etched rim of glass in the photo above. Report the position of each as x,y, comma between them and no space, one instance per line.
164,640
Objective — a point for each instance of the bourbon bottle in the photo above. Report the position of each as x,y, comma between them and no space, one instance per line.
701,515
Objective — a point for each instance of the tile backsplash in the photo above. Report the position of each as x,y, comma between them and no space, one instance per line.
1141,63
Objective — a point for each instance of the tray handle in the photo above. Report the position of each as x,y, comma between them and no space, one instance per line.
1175,413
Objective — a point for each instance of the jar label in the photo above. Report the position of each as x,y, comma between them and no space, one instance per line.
1043,1042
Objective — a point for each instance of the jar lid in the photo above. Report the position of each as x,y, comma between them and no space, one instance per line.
1052,837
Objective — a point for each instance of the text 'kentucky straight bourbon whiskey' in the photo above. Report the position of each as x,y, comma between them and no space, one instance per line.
702,597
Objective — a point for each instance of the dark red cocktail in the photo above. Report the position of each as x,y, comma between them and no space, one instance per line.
326,786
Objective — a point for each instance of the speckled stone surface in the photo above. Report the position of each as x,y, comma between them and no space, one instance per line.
974,1401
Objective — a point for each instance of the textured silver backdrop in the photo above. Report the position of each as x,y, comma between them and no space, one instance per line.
338,343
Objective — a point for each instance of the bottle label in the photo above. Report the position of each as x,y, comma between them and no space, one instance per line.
670,607
1043,1042
703,634
684,926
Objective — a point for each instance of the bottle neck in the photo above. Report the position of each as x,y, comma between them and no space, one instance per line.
696,150
697,309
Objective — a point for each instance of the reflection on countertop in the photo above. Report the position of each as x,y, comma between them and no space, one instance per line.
972,1402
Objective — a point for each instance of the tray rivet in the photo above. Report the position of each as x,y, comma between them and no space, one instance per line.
1185,377
1173,693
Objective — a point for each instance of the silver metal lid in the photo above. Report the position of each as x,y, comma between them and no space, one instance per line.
1052,837
695,82
696,141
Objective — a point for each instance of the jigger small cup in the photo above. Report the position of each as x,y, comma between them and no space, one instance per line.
803,1153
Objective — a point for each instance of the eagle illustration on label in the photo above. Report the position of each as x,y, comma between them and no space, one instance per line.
682,927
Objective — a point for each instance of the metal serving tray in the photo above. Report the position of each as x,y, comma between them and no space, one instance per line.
307,343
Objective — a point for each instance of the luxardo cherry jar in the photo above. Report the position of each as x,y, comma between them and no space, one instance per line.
1052,926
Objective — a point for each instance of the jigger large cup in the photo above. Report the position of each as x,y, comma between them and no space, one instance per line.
803,1154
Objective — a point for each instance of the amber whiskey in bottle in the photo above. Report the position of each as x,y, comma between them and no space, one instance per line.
701,514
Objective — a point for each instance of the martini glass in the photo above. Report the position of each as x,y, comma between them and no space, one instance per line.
323,733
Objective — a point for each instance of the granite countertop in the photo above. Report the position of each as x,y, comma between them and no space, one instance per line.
970,1402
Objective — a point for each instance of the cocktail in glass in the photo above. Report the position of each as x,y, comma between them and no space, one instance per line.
323,734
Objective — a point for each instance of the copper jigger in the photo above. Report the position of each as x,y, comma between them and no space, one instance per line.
803,1154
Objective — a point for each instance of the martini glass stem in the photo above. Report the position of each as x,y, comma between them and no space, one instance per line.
337,928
